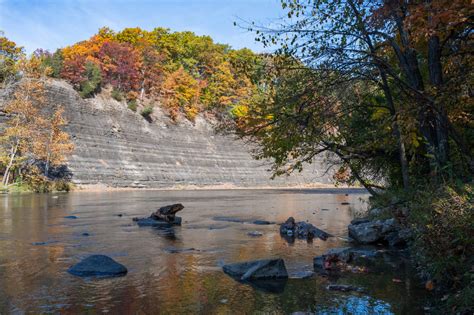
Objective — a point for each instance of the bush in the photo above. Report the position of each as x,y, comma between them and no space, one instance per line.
443,221
132,105
147,111
92,84
62,185
117,95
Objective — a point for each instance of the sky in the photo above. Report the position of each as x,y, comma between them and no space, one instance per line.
52,24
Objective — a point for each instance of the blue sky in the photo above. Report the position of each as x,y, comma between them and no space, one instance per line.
52,24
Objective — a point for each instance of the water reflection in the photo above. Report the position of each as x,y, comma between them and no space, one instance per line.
181,280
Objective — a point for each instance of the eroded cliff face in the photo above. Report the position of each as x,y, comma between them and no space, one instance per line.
117,147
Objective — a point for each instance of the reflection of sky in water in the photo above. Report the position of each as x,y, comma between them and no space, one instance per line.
357,305
38,244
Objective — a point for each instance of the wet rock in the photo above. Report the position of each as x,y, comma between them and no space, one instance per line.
338,259
360,220
164,216
85,234
257,269
39,243
98,265
372,231
229,219
173,250
70,217
255,233
262,222
343,288
167,213
302,229
156,223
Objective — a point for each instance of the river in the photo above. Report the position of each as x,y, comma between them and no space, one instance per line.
178,270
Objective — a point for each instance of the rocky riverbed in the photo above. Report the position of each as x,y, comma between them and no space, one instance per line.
180,269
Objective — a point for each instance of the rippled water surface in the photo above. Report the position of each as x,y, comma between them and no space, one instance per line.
173,271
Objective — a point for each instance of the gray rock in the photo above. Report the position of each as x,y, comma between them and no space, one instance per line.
372,231
255,233
258,269
98,265
359,221
302,229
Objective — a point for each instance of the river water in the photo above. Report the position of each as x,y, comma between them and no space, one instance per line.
178,270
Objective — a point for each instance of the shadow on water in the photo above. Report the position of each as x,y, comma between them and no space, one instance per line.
176,270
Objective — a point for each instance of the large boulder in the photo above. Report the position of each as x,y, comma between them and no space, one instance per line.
98,265
370,232
257,269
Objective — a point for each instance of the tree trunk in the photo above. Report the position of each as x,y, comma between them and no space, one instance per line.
436,80
6,176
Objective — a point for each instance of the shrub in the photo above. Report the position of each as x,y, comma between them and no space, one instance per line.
147,111
132,105
444,227
92,84
117,95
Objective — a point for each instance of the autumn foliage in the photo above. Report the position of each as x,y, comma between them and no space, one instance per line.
184,72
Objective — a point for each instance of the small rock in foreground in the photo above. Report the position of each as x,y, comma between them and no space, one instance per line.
98,265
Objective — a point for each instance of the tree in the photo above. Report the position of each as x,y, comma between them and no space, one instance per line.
54,143
362,63
92,80
24,118
120,65
10,53
31,132
181,92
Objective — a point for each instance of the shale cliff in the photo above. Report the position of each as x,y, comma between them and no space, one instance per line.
117,147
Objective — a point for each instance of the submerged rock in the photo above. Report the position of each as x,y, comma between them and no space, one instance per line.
338,259
154,222
343,288
70,217
164,216
302,229
98,265
257,269
302,275
262,222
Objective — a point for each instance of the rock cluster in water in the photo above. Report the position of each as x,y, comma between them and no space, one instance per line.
163,216
302,229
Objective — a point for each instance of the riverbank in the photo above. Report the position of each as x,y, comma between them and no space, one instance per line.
100,188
